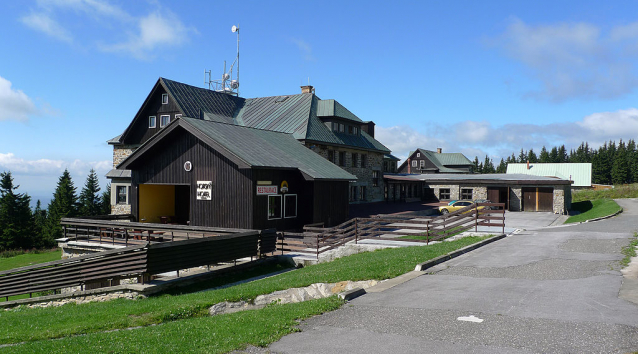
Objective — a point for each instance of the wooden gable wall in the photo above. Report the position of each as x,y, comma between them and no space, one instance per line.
140,131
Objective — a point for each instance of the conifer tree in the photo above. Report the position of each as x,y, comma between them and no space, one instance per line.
488,165
39,224
562,154
531,156
16,220
522,156
63,204
105,201
478,168
620,170
502,167
543,157
553,155
89,200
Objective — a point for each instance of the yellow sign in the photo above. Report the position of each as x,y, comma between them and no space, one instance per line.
284,187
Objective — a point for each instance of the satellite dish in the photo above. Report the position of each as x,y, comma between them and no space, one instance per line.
234,84
226,76
234,29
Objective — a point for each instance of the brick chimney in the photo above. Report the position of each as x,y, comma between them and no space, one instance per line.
409,167
528,164
439,150
307,89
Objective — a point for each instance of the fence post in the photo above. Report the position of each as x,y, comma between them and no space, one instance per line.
356,230
427,230
476,218
318,246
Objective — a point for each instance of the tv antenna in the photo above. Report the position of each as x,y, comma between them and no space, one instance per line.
227,84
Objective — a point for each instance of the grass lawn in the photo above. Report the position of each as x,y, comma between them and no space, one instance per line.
188,309
591,209
30,258
618,192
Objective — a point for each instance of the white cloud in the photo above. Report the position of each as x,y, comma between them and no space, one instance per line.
145,34
576,60
39,177
304,48
15,104
43,22
155,30
481,138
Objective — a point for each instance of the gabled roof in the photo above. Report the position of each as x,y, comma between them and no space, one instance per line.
201,103
580,173
251,148
298,114
443,160
510,179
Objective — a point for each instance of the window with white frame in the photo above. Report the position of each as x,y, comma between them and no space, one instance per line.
164,120
422,163
121,194
152,122
418,154
165,98
178,116
274,207
414,162
290,206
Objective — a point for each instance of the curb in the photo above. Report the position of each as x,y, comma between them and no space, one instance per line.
605,217
438,260
351,294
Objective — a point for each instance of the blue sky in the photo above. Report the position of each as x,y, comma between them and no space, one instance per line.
480,78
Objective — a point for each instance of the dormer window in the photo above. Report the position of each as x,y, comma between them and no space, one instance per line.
350,129
165,98
341,128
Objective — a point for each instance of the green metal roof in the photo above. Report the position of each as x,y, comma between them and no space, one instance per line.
580,173
332,108
444,159
264,148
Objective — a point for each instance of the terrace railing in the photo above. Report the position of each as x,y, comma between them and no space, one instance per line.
316,240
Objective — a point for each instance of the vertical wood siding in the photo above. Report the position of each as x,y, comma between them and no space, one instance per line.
140,131
231,203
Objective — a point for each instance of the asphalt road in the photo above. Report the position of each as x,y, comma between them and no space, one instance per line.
550,290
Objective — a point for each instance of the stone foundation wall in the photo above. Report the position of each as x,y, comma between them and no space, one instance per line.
516,198
120,209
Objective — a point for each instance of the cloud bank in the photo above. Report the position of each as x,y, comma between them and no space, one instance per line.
15,104
482,138
574,60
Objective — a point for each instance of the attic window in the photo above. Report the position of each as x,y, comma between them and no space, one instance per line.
164,120
165,98
281,99
178,116
418,154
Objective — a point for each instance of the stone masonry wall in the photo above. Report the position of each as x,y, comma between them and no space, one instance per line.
364,173
121,152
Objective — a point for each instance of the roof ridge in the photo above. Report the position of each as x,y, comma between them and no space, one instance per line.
235,125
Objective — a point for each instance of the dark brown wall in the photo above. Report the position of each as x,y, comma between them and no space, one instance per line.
331,202
428,164
232,191
296,185
140,132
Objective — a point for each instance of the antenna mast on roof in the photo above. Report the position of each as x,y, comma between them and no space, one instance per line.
227,84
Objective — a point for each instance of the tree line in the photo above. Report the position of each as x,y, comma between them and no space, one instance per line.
22,228
611,163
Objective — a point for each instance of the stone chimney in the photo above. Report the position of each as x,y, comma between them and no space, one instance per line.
439,150
307,89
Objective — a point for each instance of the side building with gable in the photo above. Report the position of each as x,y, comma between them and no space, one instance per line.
269,147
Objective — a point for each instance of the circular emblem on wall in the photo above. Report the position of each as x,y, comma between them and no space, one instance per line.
284,187
188,166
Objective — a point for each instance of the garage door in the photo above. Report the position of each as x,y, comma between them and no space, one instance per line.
538,199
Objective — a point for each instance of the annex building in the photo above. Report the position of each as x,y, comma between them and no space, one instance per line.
201,157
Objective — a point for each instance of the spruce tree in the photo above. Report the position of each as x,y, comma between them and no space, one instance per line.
531,156
477,167
562,154
502,167
543,157
522,156
16,220
89,200
620,169
105,201
39,225
553,155
63,205
488,165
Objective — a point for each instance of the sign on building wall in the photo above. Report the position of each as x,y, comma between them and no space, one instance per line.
263,190
204,190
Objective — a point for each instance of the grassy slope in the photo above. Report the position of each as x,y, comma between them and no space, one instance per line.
618,192
593,209
29,259
55,322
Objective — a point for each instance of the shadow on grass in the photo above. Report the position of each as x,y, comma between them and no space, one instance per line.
583,206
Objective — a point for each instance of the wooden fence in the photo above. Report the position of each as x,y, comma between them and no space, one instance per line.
142,261
316,240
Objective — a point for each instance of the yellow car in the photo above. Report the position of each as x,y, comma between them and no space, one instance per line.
456,205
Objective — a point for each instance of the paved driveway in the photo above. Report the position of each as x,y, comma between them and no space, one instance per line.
552,290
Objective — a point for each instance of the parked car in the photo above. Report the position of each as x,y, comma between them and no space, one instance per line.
459,204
